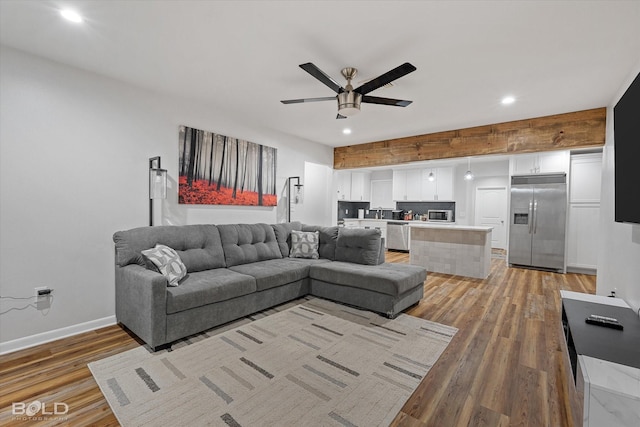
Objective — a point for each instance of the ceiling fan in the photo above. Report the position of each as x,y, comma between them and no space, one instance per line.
348,98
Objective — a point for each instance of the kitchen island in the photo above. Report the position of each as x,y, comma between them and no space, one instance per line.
463,250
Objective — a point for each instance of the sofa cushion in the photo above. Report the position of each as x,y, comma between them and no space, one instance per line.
275,272
198,246
208,287
359,245
167,262
246,243
390,279
304,244
328,240
283,235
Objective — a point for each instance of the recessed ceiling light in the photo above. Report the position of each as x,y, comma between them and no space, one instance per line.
508,100
71,15
346,131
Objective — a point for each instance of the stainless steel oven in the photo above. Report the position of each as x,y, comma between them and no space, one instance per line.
438,215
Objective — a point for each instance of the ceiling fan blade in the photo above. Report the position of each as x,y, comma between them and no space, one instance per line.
385,101
298,101
320,75
386,78
340,116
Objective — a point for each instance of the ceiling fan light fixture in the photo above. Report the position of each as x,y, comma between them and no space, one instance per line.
349,103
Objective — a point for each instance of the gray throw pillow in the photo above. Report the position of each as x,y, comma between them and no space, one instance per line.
168,263
304,244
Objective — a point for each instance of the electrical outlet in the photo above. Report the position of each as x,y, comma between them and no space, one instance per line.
42,291
43,297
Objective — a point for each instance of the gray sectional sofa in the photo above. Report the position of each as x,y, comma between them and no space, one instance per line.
234,270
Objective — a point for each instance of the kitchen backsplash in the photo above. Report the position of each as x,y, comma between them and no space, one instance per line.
423,207
350,209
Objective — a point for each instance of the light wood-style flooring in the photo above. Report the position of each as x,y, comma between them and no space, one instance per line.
506,366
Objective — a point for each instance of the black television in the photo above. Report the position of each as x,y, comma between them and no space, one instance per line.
626,129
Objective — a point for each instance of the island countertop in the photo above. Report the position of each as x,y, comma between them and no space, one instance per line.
426,224
463,250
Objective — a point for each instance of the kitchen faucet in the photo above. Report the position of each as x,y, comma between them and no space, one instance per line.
380,213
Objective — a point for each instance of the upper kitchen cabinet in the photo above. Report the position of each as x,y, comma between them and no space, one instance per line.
354,186
407,184
360,186
414,184
548,162
343,179
441,187
382,194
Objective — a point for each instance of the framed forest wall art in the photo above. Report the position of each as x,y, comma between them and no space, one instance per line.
220,170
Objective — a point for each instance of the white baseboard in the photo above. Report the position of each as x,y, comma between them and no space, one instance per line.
45,337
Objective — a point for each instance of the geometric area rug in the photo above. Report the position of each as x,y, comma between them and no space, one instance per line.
313,364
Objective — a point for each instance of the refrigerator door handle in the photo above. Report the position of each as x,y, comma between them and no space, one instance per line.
535,217
530,216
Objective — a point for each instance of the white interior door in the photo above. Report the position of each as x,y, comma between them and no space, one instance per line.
491,211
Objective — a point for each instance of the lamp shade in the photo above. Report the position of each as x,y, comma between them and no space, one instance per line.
157,183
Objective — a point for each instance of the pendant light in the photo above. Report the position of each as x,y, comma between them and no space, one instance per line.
431,176
468,176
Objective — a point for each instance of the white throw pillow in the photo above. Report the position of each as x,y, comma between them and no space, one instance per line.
304,244
168,262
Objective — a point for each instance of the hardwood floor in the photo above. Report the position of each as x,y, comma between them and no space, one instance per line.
505,366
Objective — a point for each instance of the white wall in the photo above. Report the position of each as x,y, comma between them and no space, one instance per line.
619,254
492,173
74,150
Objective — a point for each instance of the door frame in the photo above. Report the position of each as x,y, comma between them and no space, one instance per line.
505,214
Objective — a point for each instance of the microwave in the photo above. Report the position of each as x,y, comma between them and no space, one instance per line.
440,215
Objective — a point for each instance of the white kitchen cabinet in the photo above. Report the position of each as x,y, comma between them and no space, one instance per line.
360,186
343,183
429,189
584,211
399,185
585,179
407,185
445,184
582,236
441,188
414,184
546,162
381,194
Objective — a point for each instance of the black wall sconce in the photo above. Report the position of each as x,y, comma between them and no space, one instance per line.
157,183
298,194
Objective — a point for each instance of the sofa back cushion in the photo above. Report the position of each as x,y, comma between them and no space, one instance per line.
283,235
328,240
359,245
245,243
198,246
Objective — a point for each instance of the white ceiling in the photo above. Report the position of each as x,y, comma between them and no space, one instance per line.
243,56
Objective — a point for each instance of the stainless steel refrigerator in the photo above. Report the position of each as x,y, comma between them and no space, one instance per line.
538,221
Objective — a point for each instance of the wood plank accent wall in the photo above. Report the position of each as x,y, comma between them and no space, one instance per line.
579,129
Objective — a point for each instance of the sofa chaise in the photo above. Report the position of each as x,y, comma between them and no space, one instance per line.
234,270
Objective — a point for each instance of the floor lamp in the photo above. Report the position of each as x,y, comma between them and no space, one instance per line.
157,183
297,196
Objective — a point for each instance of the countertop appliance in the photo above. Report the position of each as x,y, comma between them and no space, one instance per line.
398,236
538,220
397,214
439,215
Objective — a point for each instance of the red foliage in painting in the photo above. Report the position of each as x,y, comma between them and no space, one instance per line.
201,193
